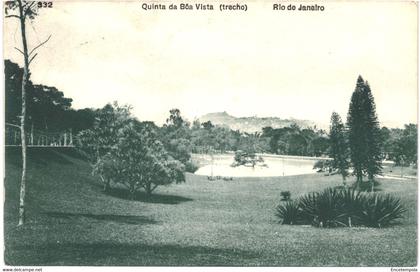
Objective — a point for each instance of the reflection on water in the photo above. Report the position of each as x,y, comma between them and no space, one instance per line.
275,167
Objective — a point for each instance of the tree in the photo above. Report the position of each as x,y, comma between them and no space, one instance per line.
246,159
139,160
13,92
98,141
176,137
338,146
175,119
23,10
364,133
405,147
320,145
47,108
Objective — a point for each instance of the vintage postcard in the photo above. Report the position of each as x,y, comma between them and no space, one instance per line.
210,134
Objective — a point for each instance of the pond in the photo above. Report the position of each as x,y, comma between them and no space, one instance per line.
275,166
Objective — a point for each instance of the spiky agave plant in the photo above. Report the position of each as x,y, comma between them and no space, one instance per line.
381,210
352,206
325,209
289,213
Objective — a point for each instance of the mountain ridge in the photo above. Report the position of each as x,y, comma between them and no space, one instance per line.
252,123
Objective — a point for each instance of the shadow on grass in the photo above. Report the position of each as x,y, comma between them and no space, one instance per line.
126,254
143,197
127,219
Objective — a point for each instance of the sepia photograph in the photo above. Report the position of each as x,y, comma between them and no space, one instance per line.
210,134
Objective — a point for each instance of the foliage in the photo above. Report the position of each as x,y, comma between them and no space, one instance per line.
338,151
323,166
294,140
380,210
342,207
142,161
98,140
289,213
125,151
364,132
108,169
324,209
29,8
285,195
405,147
246,159
190,167
48,109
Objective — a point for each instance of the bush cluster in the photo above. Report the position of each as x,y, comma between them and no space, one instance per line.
336,207
285,195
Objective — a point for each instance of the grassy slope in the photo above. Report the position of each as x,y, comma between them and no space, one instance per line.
71,222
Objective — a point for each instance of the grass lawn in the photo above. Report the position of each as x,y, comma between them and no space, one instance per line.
200,222
398,171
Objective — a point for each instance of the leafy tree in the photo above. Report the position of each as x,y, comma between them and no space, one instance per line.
339,151
175,119
176,137
405,147
207,125
364,133
141,160
13,81
246,159
97,142
47,108
320,145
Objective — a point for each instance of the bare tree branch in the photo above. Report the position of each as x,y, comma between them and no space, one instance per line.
32,58
39,45
154,187
19,50
25,4
12,16
28,9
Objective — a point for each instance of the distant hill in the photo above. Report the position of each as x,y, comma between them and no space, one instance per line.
251,124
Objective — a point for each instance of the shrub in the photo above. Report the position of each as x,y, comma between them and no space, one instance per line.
324,209
342,207
352,206
285,195
289,213
323,166
380,210
190,167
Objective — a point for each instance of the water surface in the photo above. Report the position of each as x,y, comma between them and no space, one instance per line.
275,166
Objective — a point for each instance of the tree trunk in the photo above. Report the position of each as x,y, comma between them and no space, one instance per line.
149,189
25,79
107,187
106,183
32,134
132,193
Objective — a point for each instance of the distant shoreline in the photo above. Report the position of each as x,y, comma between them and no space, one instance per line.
270,155
292,157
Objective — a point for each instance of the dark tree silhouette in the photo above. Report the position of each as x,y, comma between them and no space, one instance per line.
339,151
364,133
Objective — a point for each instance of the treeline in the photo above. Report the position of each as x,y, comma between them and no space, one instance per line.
48,109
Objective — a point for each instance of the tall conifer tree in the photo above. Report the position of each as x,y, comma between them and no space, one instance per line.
364,137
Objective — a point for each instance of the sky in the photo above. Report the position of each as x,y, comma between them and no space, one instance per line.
260,62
